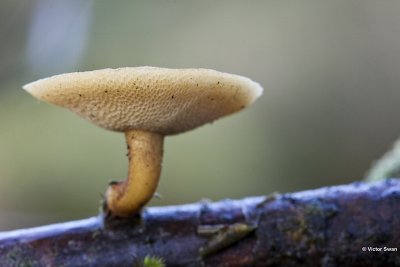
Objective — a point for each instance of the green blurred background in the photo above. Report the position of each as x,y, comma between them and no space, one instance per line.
330,70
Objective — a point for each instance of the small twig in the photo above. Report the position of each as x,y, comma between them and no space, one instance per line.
325,227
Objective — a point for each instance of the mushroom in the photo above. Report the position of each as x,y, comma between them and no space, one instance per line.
146,103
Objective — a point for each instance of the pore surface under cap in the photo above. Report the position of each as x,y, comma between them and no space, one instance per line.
167,101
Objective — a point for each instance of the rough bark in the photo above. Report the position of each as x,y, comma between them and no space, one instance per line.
324,227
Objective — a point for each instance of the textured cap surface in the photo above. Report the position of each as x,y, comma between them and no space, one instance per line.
167,101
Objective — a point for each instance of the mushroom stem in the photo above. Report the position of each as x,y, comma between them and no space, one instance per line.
145,151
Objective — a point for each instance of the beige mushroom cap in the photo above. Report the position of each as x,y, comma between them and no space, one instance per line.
166,101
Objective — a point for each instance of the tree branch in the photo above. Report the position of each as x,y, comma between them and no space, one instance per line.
324,227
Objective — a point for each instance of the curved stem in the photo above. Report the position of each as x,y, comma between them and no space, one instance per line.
145,150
